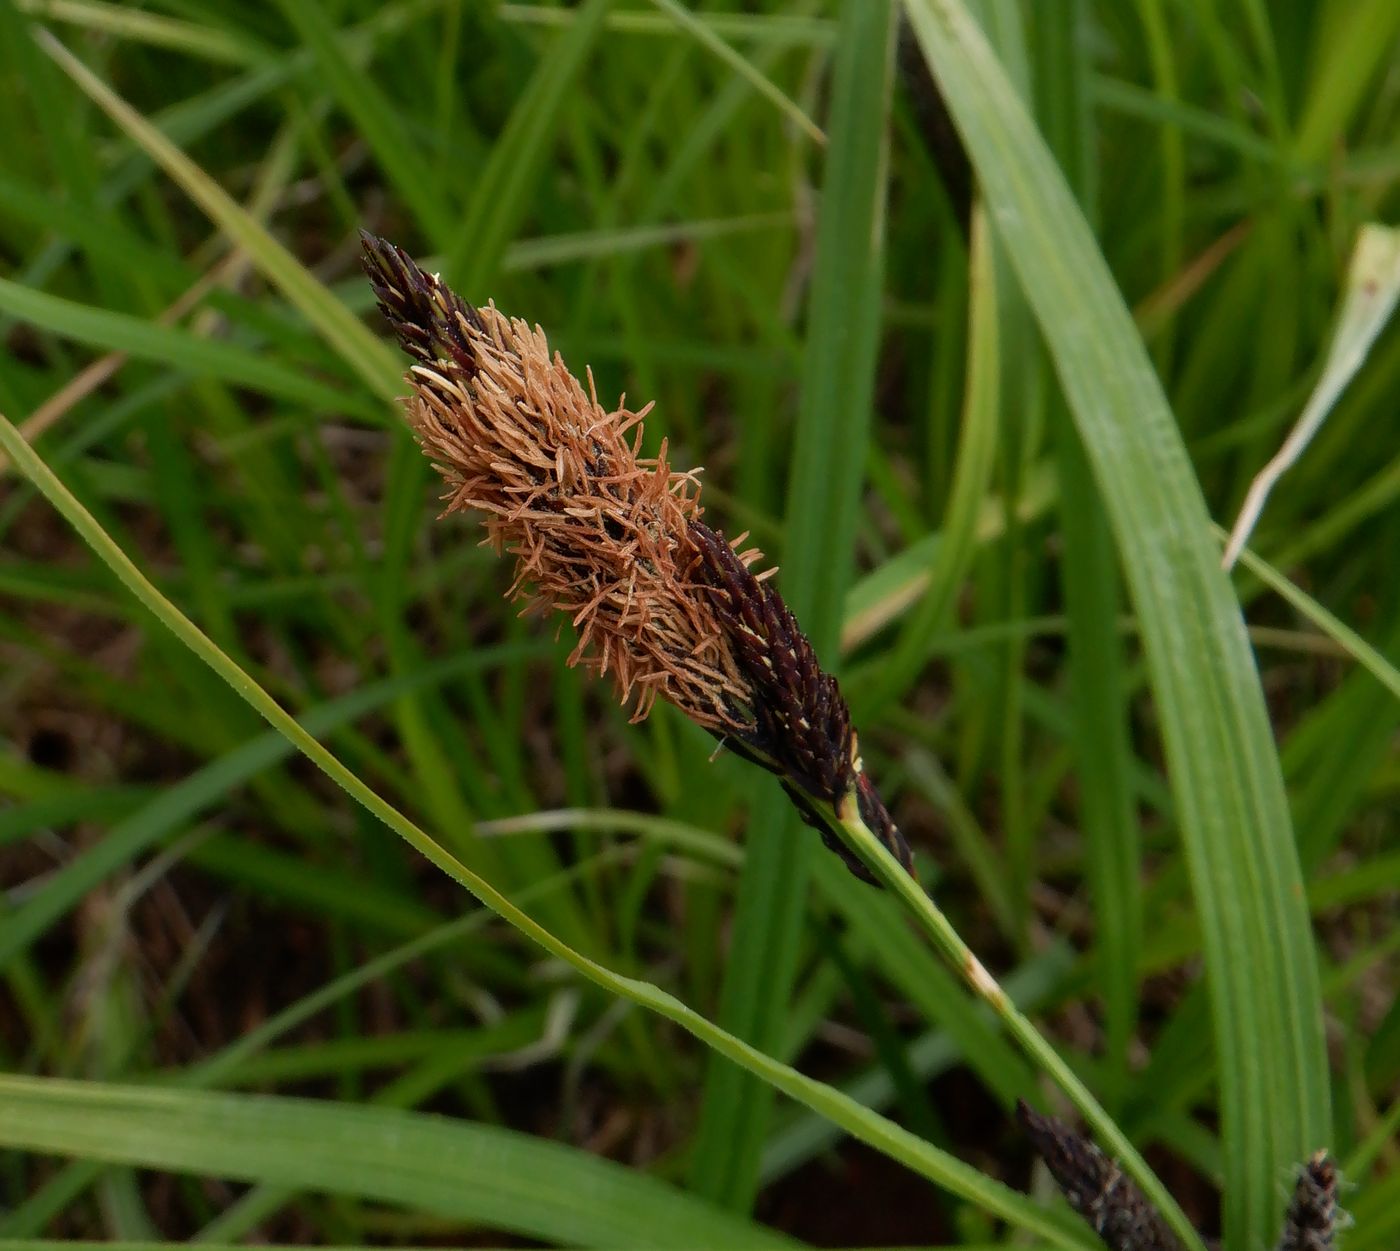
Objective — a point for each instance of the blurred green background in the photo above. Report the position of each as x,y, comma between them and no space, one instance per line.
682,197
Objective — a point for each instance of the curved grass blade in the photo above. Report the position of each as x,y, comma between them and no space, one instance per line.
885,1136
709,38
367,355
1336,629
121,21
1225,775
136,336
460,1170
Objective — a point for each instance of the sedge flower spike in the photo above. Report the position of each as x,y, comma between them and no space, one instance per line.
1125,1220
1095,1187
663,605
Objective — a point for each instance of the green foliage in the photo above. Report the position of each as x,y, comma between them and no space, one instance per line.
989,487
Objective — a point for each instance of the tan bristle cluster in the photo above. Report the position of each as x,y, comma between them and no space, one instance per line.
599,531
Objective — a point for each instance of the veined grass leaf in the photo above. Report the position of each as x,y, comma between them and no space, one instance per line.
1226,782
123,332
367,355
460,1170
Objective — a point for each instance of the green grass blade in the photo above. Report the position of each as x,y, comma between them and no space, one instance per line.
548,250
973,468
367,355
828,460
1225,775
1091,583
758,27
122,332
459,1170
502,190
1353,51
124,22
880,1133
710,39
1348,639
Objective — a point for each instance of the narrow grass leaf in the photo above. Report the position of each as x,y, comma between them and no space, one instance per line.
123,332
710,39
823,492
937,1166
459,1170
368,356
1226,782
782,28
972,476
1342,634
894,586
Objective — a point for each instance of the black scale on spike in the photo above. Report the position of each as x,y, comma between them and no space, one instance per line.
800,724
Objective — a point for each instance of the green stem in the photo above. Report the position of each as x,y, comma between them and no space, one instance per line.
947,942
860,1122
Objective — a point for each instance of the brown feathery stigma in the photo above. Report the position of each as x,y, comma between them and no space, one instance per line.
663,604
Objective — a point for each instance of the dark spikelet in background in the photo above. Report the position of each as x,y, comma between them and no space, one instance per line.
663,605
1313,1215
1095,1187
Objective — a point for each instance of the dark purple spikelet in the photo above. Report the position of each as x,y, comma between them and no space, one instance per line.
798,716
797,723
1096,1188
1313,1214
427,316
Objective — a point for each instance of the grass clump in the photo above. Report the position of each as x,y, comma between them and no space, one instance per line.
976,329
